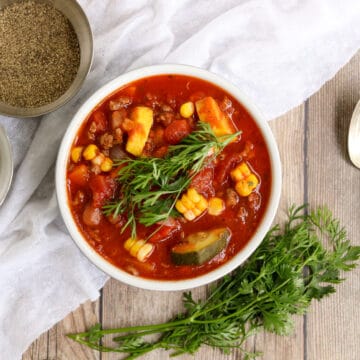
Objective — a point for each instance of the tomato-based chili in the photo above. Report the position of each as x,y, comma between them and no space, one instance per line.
213,211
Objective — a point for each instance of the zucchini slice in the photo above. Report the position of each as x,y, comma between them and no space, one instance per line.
200,247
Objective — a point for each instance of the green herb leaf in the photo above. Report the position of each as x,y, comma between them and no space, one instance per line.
287,271
150,187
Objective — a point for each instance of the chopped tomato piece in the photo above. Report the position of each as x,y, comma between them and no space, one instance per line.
198,95
79,175
114,173
159,135
176,131
231,160
203,182
161,151
102,187
248,152
117,220
166,231
100,121
223,169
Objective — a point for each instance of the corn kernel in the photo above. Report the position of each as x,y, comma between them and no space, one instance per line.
189,215
242,188
191,204
98,160
106,165
216,206
180,207
252,181
144,252
76,153
196,212
129,243
241,172
193,195
187,109
136,247
90,152
187,202
236,175
202,204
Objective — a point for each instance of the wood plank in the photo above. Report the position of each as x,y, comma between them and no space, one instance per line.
334,324
53,344
127,306
79,320
289,134
38,349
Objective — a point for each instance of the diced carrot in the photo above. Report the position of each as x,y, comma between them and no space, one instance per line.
79,175
209,111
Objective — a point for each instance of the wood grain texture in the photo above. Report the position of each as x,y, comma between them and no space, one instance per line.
289,134
312,145
333,326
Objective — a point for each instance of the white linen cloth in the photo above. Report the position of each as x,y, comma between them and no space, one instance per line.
278,52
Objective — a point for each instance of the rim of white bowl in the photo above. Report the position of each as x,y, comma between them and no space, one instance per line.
63,156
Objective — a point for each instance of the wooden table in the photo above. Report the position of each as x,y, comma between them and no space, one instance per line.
312,140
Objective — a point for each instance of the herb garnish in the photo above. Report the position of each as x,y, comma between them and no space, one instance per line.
287,271
149,187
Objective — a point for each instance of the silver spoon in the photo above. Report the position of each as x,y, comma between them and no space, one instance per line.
354,137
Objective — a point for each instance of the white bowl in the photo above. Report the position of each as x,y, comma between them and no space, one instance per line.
63,156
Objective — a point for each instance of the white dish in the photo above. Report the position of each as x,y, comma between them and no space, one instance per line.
63,156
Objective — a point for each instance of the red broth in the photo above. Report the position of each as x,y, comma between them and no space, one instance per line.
89,188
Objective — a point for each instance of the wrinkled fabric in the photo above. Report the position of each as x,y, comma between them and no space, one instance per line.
279,52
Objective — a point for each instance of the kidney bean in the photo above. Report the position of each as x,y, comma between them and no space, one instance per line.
91,215
176,131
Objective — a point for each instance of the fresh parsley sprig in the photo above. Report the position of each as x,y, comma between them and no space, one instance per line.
288,270
150,187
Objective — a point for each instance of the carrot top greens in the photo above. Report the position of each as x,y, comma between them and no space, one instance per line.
294,265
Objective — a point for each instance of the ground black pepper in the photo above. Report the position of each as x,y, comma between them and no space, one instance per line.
39,54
